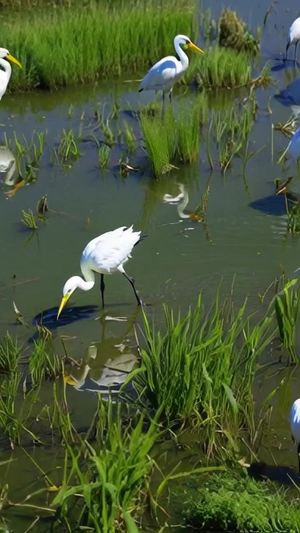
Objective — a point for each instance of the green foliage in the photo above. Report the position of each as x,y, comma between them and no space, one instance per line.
9,353
28,153
44,362
287,305
293,217
28,219
233,33
241,504
104,155
201,368
104,485
68,147
129,137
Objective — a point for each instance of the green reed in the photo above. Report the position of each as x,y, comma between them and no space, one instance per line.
201,368
173,139
44,362
68,147
129,137
293,217
28,153
104,152
63,47
28,219
105,484
10,353
287,306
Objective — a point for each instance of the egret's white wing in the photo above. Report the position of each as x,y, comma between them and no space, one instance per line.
162,74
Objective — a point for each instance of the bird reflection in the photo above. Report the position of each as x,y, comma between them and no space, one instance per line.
290,97
182,200
108,377
8,166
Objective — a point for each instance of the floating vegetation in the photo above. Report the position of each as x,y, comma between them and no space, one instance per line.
28,153
29,220
287,305
201,368
236,502
68,147
233,33
172,139
104,155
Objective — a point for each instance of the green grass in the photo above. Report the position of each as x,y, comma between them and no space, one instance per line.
10,353
70,46
287,306
44,362
201,369
241,504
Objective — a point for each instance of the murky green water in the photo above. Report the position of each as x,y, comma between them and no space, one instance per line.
176,260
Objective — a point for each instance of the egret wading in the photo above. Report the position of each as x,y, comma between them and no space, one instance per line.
5,72
164,74
294,36
105,254
295,426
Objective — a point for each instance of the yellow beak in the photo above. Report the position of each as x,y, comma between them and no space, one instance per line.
12,59
195,48
63,302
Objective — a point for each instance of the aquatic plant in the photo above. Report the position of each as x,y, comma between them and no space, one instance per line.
236,502
44,362
201,368
28,219
28,153
104,155
287,305
68,147
104,485
233,33
129,137
10,353
293,217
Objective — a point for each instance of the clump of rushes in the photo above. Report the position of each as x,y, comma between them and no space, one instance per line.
287,305
293,217
104,155
28,153
129,137
68,147
44,362
172,139
223,68
105,485
201,368
120,38
28,219
10,353
238,503
233,33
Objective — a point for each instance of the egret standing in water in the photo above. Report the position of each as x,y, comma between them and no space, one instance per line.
5,72
104,254
294,36
295,426
164,74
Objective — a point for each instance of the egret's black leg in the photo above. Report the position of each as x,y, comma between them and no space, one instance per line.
170,96
163,105
102,287
298,452
131,281
295,58
286,50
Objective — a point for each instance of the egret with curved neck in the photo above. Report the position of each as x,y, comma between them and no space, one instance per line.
104,254
164,74
5,72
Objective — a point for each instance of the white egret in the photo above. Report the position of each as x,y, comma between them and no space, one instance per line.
164,74
295,426
5,72
294,36
104,254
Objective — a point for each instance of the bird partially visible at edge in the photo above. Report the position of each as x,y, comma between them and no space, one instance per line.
105,254
295,426
164,74
294,36
5,72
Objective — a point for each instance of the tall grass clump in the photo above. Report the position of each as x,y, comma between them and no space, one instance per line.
28,153
10,352
201,368
67,46
105,485
287,306
172,139
44,362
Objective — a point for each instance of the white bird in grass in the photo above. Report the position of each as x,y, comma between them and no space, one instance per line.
294,36
104,254
5,72
295,426
164,74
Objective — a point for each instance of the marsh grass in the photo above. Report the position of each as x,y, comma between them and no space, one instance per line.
67,46
68,147
173,139
10,353
201,369
293,218
28,219
105,485
129,137
104,152
28,153
287,306
44,362
232,502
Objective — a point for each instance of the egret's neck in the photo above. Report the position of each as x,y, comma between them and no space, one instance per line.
181,207
89,278
182,55
5,65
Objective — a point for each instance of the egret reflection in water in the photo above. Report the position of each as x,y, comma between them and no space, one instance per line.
290,97
8,166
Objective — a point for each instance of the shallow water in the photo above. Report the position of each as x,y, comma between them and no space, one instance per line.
245,238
